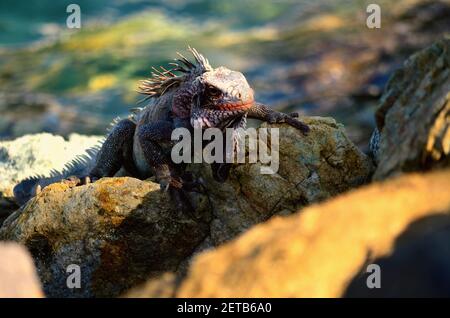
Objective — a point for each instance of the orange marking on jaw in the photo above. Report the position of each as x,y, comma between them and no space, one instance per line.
237,106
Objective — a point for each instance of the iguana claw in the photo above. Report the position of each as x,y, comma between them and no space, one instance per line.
279,118
74,181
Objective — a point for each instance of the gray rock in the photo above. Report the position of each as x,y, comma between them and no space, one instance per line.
119,231
32,155
37,155
413,117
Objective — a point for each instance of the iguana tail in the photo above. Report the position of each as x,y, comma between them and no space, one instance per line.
79,166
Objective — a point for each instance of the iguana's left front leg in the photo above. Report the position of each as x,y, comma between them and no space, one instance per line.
262,112
151,138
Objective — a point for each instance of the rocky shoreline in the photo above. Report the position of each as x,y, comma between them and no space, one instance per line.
317,232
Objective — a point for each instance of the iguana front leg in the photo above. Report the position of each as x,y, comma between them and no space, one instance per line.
116,151
151,137
262,112
170,176
259,111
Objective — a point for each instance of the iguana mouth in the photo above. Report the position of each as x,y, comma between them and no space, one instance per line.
207,118
237,106
218,114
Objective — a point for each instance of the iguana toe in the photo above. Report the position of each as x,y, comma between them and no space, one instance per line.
72,181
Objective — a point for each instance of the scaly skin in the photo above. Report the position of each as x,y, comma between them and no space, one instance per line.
198,97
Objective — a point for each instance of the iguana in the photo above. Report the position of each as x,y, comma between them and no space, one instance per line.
189,95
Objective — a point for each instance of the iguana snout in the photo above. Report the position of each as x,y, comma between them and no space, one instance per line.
226,90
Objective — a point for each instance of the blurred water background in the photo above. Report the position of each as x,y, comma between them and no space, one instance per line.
316,57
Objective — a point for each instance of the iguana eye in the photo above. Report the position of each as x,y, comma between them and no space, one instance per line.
214,91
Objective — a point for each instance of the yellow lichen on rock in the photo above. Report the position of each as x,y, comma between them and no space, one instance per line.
311,168
118,230
125,230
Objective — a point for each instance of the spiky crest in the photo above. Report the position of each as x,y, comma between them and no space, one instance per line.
162,79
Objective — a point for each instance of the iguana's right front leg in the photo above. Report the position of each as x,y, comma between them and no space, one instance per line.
169,175
151,136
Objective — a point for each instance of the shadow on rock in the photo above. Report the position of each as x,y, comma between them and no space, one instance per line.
418,266
119,231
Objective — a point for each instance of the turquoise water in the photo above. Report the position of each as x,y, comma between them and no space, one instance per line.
315,57
22,22
93,73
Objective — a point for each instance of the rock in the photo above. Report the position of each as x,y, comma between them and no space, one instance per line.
325,248
38,155
7,206
312,168
163,287
413,117
26,112
32,155
18,278
418,265
118,230
122,230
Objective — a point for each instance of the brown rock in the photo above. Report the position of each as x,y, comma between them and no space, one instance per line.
120,231
18,278
318,252
162,287
29,156
312,168
414,114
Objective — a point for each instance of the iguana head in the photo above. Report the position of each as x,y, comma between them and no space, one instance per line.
224,95
226,90
211,97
